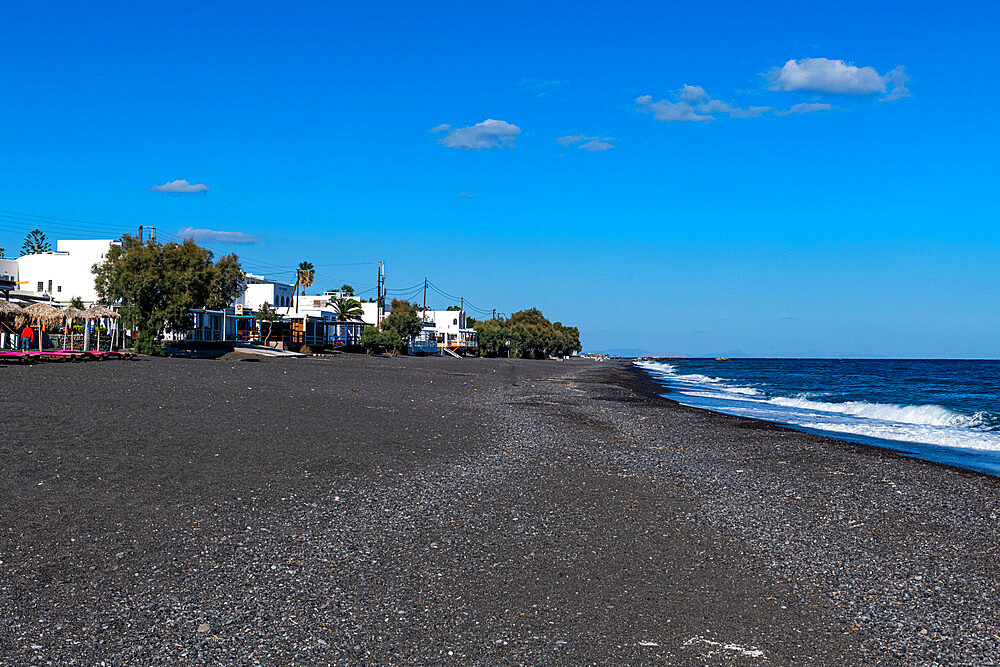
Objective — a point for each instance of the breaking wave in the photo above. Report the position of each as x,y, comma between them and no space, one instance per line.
927,424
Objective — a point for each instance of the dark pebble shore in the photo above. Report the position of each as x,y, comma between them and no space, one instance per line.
355,510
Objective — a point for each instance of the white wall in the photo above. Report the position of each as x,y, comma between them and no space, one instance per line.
8,270
445,321
276,295
66,272
315,305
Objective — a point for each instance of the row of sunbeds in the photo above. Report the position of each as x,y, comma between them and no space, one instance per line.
31,356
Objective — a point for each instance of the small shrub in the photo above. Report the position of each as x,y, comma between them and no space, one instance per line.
146,343
305,349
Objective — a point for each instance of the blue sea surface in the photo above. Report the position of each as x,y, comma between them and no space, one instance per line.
946,411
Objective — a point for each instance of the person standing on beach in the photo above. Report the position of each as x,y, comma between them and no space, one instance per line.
27,335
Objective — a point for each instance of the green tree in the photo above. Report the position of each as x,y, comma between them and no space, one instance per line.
402,319
2,256
382,340
35,242
347,309
77,302
158,284
347,290
492,337
267,314
526,334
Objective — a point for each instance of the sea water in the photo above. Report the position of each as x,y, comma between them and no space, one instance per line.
940,410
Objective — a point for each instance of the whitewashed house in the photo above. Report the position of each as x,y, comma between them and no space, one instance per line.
447,329
260,290
63,273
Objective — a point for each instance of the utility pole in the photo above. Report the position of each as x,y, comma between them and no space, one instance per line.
380,299
494,314
461,314
152,233
423,312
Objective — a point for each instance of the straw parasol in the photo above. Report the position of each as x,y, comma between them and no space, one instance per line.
8,309
73,313
100,312
69,314
44,314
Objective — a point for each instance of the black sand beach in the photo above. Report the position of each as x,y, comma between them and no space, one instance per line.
367,510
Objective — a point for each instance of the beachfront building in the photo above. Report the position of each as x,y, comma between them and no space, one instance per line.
261,290
61,274
317,330
310,320
314,304
228,325
8,277
448,330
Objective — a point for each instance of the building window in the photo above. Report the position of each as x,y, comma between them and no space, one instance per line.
50,286
59,288
41,286
454,321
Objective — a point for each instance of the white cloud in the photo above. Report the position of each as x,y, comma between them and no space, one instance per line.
180,186
693,104
597,144
488,134
897,77
215,236
805,107
823,75
671,112
592,144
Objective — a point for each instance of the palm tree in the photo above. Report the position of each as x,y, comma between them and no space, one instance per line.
303,276
347,309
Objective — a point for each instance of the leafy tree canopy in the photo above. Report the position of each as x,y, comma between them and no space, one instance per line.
527,334
267,314
157,284
402,319
76,302
35,242
347,290
379,340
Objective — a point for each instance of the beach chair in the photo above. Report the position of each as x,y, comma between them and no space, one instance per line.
11,357
57,355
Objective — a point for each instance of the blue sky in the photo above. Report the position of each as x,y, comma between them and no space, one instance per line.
800,180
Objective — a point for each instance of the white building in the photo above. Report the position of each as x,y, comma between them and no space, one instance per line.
317,305
262,290
64,273
8,270
448,328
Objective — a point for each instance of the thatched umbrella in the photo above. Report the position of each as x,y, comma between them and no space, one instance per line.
43,313
12,310
100,312
69,314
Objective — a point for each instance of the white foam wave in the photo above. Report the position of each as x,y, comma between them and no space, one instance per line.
926,435
927,415
921,424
